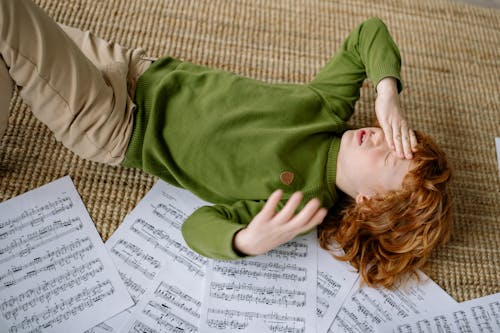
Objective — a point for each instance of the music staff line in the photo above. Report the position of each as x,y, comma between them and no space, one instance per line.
135,257
244,292
61,262
162,241
46,291
65,309
175,296
135,290
53,208
50,254
162,315
46,235
237,320
327,285
163,211
256,270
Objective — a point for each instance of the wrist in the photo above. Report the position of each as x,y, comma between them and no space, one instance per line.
238,243
387,86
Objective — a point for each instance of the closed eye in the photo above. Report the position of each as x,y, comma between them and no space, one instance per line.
386,162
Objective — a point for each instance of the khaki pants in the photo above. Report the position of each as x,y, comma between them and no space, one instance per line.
77,84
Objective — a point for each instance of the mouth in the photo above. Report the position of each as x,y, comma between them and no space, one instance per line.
360,136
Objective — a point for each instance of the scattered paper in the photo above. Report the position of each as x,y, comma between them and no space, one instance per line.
475,316
56,275
148,242
366,308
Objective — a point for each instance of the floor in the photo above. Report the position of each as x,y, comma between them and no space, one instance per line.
484,3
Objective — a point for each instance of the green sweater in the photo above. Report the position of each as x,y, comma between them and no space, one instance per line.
233,140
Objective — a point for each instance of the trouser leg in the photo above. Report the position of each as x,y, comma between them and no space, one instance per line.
87,106
6,86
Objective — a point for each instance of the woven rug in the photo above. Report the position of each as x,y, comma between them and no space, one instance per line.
451,68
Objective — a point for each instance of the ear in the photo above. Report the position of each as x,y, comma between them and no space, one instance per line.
360,198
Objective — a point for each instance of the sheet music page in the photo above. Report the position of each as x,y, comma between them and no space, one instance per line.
55,273
335,280
149,241
278,288
366,308
475,316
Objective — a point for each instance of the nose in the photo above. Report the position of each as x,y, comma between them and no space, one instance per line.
377,136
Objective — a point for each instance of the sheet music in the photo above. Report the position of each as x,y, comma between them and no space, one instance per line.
278,288
366,308
474,316
55,275
335,280
149,241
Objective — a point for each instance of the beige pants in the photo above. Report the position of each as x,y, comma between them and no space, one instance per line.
77,84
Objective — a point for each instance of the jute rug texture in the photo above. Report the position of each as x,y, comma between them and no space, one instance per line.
451,70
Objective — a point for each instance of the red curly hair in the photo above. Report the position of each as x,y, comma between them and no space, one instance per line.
388,236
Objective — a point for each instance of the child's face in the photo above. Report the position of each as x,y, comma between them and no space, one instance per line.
366,165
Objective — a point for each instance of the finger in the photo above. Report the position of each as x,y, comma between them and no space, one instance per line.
288,211
318,217
388,136
306,213
397,141
406,141
269,209
413,140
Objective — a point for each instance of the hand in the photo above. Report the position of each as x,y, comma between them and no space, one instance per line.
387,107
269,228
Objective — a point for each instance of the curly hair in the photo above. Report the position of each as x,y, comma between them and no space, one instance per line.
391,235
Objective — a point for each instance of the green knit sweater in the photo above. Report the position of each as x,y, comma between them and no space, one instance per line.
233,140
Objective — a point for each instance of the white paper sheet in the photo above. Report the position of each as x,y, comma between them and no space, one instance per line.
148,242
367,308
335,281
278,288
480,315
55,273
171,304
497,144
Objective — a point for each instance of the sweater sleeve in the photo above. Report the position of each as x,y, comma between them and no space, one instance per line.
210,230
368,51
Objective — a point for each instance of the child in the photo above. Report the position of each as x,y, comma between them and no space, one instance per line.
272,157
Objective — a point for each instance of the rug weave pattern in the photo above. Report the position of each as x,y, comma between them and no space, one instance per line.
451,70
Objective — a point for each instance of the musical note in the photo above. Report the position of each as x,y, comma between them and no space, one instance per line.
365,309
244,292
177,297
176,249
231,320
475,316
149,242
140,327
271,288
257,270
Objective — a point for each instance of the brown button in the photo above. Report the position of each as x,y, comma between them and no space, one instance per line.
286,177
